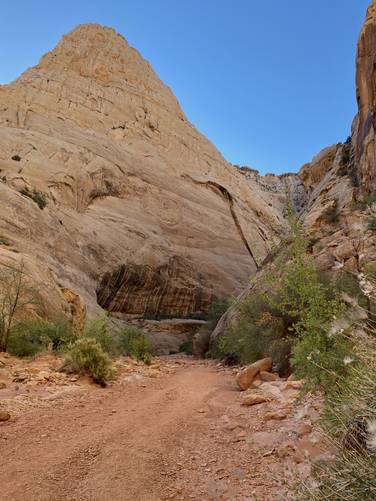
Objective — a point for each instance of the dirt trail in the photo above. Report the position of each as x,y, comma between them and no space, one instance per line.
180,436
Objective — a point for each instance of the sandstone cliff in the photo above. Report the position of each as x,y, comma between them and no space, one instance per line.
365,122
113,200
110,196
337,189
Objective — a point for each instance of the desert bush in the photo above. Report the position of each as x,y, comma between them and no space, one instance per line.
370,271
292,320
331,214
350,423
365,202
371,225
86,356
29,338
312,242
16,294
348,282
312,304
36,196
33,336
187,346
99,330
60,334
133,342
259,332
216,310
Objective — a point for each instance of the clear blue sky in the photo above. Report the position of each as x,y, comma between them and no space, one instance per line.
269,82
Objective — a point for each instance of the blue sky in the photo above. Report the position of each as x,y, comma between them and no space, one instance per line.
270,83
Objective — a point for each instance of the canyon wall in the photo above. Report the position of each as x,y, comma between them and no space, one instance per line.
113,200
108,192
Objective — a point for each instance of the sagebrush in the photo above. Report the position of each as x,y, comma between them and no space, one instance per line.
86,356
133,342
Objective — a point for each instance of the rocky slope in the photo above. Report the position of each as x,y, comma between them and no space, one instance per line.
336,190
112,198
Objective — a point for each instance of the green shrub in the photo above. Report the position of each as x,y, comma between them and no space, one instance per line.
133,342
36,196
350,422
142,349
294,316
17,294
312,304
86,356
370,271
371,223
33,336
347,282
312,242
259,332
99,330
319,358
4,241
331,214
216,310
365,202
187,346
29,338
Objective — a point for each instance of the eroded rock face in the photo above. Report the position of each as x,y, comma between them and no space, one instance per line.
174,288
365,123
112,199
102,173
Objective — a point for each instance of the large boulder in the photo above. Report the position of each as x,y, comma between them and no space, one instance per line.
201,342
246,376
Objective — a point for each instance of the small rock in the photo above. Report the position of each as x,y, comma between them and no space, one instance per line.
304,429
254,399
256,383
33,370
268,376
43,376
233,426
295,385
2,385
4,416
246,377
276,415
285,450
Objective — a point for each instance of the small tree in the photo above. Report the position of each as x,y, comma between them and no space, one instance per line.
15,295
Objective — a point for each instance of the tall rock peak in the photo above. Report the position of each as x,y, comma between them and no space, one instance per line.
142,214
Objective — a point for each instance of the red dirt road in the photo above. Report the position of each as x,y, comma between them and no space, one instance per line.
180,436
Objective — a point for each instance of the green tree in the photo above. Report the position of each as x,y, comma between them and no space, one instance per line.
16,294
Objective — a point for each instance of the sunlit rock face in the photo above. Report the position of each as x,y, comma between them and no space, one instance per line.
339,185
103,176
365,123
110,196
